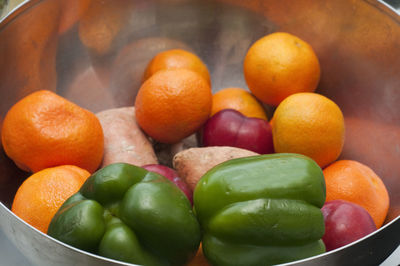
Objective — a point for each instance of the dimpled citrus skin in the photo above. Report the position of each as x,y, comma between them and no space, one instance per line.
278,65
177,59
42,194
355,182
309,124
239,100
173,104
44,130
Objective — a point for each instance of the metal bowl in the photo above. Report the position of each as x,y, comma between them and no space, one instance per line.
95,56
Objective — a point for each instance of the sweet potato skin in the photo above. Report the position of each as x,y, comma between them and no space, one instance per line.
124,141
192,164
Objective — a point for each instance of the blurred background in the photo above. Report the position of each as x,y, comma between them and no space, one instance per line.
10,256
8,5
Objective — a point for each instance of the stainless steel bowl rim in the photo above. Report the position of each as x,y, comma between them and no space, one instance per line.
26,5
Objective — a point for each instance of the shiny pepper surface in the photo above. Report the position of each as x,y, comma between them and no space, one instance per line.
261,210
126,213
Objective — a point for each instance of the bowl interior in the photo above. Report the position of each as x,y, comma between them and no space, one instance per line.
98,58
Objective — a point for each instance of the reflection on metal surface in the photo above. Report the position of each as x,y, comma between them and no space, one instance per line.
102,23
395,4
96,56
127,69
9,5
29,52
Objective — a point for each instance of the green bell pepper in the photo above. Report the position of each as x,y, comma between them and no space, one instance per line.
127,213
261,210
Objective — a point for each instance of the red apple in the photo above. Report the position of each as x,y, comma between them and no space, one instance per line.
172,175
229,127
345,222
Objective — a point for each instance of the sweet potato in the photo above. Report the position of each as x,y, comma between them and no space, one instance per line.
192,164
124,141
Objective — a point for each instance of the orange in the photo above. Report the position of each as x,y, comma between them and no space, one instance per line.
126,75
102,22
239,100
199,259
173,104
44,130
42,194
310,124
278,65
71,12
357,183
175,59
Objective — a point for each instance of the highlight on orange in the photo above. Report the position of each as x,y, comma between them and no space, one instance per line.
177,59
173,104
42,194
44,130
240,100
355,182
279,65
310,124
